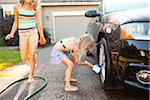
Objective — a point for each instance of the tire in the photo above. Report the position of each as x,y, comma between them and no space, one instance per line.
104,61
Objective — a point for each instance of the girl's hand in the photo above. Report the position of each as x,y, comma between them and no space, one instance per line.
9,36
88,64
85,64
42,40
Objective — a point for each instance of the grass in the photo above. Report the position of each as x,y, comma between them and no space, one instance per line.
1,42
9,58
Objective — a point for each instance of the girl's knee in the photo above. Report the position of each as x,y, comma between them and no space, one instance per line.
32,56
70,64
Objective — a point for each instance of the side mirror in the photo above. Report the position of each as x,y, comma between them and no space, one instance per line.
92,13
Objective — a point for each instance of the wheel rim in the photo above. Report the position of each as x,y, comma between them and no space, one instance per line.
102,62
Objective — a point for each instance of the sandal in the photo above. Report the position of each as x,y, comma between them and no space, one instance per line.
71,88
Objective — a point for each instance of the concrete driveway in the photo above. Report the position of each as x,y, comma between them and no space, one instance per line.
88,81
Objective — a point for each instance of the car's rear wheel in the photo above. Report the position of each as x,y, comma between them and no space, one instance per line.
104,61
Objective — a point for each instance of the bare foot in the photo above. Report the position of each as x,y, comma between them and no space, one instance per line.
73,80
71,88
30,80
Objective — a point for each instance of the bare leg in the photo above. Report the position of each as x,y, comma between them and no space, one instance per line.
68,74
33,43
24,48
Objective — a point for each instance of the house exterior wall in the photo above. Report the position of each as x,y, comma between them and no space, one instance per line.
61,20
64,20
8,1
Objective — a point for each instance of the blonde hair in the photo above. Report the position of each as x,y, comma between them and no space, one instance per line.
35,4
86,41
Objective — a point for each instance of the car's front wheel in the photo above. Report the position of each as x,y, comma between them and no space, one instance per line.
104,61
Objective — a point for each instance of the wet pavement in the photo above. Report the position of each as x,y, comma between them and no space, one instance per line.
88,81
12,74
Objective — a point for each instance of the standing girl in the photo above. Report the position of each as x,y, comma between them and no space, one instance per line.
26,20
67,51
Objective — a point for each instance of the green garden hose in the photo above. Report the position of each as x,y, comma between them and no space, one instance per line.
36,91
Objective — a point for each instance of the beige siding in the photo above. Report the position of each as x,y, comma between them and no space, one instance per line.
62,19
8,1
67,26
65,20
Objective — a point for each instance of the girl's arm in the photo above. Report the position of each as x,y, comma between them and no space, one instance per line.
85,63
39,26
15,24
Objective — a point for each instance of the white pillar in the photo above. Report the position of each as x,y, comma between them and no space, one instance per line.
40,11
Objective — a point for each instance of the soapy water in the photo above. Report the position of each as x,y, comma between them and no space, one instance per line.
25,88
21,90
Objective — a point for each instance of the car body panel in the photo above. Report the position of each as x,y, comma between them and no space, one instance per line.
128,56
127,16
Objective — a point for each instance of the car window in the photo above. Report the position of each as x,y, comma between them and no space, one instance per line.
136,30
119,5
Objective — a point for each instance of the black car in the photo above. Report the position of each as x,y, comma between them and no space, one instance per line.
121,30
